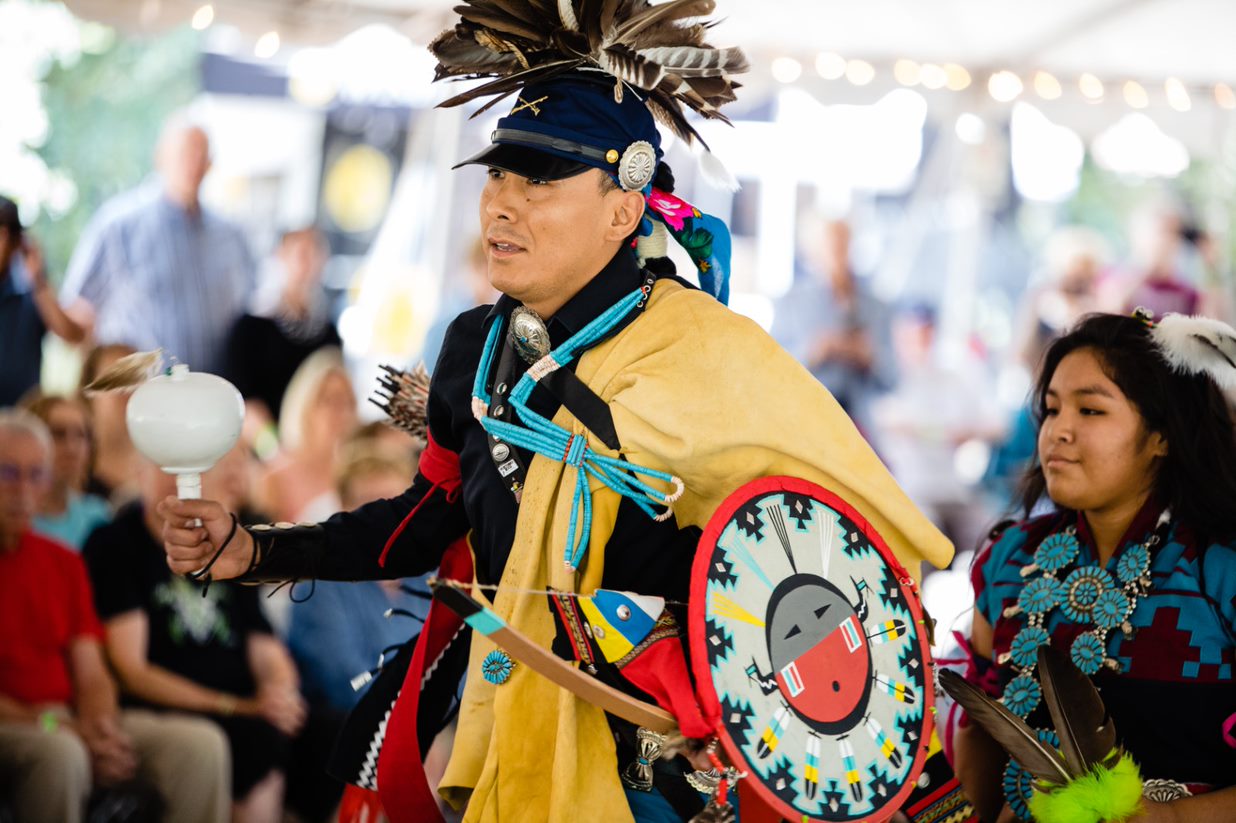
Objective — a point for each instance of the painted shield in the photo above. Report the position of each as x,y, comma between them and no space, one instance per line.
808,644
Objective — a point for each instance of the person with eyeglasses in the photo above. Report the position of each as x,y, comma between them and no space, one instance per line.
66,512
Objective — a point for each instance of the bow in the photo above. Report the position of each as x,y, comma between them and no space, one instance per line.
525,650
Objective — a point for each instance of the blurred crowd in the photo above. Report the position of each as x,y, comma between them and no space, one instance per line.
119,681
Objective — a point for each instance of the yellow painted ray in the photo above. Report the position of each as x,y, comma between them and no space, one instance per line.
725,607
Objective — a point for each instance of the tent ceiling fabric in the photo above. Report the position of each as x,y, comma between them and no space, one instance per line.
1144,39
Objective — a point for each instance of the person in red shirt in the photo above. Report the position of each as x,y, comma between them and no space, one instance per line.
61,731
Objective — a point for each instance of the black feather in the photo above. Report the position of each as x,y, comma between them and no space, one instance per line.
1087,733
500,21
504,85
457,55
1009,730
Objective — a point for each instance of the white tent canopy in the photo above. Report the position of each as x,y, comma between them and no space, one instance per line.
1116,39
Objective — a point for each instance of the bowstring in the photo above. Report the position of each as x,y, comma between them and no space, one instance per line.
492,587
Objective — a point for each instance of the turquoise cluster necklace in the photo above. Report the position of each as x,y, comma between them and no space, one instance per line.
1087,594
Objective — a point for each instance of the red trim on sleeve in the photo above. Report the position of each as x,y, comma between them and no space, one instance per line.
440,466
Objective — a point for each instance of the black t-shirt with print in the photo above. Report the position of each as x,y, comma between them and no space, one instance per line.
201,638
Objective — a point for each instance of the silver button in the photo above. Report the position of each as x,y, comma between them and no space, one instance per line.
624,612
598,632
501,388
499,411
501,451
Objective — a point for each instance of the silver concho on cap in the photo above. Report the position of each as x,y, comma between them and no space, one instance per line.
637,166
528,334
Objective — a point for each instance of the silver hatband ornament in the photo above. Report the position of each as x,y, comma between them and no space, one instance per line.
637,166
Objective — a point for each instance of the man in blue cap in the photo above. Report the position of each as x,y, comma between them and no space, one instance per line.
580,432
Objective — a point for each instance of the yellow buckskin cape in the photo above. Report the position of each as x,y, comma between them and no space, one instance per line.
698,391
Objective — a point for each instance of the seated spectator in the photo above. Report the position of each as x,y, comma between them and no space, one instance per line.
339,632
66,512
28,308
175,645
115,462
61,732
381,436
317,416
289,321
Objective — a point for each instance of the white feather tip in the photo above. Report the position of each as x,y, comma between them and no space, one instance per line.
1198,345
715,172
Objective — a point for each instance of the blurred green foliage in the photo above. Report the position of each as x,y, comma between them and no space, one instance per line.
105,110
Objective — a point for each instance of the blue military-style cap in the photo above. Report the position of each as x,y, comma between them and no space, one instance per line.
571,123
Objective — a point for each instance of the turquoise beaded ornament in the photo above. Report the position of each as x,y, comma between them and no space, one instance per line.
1018,784
497,667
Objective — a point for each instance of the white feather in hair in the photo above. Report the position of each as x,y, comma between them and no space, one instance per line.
1198,345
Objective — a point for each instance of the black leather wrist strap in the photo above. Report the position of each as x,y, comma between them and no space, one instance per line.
204,572
285,551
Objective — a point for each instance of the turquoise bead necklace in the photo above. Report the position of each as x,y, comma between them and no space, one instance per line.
538,434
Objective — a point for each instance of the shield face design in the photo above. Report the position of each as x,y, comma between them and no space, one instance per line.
807,642
819,650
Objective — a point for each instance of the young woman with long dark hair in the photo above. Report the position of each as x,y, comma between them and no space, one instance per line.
1134,573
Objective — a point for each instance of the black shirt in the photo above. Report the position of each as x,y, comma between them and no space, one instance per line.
201,638
642,555
262,357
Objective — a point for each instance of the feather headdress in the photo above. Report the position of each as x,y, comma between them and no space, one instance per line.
658,50
1198,345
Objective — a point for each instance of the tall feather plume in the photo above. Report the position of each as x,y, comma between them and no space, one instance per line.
1198,345
658,48
1087,733
1009,730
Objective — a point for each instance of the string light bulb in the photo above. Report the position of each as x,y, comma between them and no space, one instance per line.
933,76
267,45
1224,96
786,69
203,17
1091,87
906,72
1046,85
830,65
859,72
1004,86
1135,95
1177,94
956,77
